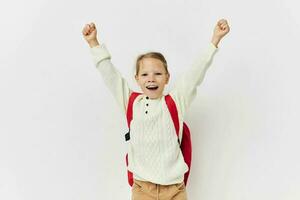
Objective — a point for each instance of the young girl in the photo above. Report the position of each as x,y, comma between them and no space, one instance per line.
154,156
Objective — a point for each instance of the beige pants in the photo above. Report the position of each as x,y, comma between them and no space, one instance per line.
142,190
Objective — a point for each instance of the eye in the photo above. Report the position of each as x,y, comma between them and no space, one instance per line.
144,74
158,73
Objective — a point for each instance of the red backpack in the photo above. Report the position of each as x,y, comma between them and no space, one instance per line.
185,145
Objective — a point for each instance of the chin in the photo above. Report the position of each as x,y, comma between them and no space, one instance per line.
153,96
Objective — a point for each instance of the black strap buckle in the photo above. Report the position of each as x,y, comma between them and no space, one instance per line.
127,136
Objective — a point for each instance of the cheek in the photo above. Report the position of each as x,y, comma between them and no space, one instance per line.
164,80
141,81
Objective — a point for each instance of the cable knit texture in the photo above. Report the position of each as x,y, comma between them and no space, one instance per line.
153,152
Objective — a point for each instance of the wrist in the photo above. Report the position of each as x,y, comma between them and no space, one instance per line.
93,43
216,41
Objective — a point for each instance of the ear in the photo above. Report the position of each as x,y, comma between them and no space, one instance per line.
168,78
136,78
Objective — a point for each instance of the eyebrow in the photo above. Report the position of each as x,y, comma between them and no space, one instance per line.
162,71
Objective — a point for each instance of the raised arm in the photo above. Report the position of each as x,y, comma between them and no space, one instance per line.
185,88
102,59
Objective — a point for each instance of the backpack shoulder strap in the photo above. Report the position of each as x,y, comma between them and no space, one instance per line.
173,111
129,112
129,107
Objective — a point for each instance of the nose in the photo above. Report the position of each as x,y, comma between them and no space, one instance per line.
151,78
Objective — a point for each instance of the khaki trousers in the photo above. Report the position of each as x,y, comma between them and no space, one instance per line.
142,190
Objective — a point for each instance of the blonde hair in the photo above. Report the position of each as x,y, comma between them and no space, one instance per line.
155,55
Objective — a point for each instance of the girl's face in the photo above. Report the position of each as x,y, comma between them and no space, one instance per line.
152,77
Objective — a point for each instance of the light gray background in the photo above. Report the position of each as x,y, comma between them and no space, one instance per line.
61,132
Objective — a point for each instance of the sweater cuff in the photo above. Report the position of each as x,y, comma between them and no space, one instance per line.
212,48
99,53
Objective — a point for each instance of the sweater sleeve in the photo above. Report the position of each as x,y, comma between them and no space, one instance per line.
185,88
111,76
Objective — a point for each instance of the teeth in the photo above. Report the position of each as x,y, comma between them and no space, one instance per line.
152,87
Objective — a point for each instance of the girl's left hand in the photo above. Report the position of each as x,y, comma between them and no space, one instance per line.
221,29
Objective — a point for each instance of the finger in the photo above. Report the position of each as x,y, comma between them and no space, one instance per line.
92,28
92,25
223,21
225,28
225,25
84,30
87,27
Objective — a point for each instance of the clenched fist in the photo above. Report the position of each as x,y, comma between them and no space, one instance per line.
220,30
90,34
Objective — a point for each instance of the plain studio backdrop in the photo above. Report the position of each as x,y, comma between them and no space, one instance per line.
62,134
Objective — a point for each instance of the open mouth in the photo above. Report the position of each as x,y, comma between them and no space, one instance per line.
152,87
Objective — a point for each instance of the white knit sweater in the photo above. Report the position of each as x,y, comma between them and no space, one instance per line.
153,153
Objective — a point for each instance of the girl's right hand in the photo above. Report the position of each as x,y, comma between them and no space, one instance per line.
90,33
